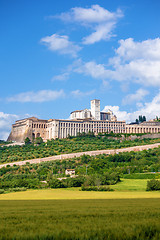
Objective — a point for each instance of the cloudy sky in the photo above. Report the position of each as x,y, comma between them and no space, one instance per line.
58,55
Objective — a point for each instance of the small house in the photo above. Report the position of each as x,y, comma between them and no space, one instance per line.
70,172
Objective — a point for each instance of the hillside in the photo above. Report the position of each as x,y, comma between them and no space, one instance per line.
101,169
83,143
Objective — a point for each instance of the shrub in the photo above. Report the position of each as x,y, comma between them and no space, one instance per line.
17,189
1,191
96,188
74,182
153,185
141,176
55,183
27,141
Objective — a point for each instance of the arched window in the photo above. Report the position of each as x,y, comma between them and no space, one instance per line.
38,135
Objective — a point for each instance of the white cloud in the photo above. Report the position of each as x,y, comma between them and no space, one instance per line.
78,94
150,110
40,96
137,61
135,97
97,18
95,14
92,69
148,49
102,32
134,62
61,44
61,77
6,121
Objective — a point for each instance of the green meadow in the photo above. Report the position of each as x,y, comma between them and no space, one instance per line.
127,188
114,219
128,213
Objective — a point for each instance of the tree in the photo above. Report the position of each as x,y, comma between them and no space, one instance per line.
55,183
27,141
38,140
143,119
140,118
137,121
153,185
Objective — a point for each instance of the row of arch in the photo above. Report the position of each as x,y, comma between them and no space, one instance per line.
142,130
37,125
35,135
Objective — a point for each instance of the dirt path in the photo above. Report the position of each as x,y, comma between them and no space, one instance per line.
90,153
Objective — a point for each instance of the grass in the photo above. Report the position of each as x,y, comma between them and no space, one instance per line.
128,213
123,219
127,188
131,185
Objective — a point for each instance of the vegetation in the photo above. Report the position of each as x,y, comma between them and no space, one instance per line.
27,141
157,119
80,219
2,142
96,188
98,170
141,119
134,186
153,185
84,142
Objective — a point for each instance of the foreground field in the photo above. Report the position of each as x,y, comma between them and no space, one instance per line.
70,194
124,219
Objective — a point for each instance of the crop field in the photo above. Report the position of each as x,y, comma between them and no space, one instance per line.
127,188
116,219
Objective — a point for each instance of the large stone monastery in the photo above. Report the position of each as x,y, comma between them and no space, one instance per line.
80,121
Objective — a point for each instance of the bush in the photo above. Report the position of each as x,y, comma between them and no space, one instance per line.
55,183
153,185
74,182
1,191
27,141
96,188
141,176
17,189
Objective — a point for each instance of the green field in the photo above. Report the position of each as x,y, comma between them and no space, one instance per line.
123,219
131,185
127,188
128,213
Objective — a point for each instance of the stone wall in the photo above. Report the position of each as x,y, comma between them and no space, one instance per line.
29,127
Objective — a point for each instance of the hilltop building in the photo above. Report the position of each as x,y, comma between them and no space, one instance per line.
80,121
94,113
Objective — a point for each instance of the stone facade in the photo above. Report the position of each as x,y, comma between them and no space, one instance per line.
63,128
143,128
29,127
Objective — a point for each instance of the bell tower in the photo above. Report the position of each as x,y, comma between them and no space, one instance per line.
95,109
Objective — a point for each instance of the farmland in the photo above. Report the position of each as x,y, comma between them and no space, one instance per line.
80,219
41,212
127,188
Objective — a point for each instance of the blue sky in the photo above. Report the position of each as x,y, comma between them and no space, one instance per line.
58,55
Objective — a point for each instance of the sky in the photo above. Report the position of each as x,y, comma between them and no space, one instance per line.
56,56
